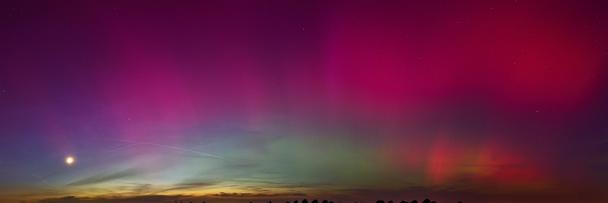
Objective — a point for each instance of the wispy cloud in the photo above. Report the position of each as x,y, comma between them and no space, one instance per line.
190,185
145,198
224,194
219,197
100,178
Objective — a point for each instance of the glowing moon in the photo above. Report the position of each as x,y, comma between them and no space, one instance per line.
69,160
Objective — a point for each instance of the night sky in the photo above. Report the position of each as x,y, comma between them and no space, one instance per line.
479,101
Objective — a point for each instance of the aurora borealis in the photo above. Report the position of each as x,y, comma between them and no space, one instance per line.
480,101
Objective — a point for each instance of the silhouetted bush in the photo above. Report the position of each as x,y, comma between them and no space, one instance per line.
426,200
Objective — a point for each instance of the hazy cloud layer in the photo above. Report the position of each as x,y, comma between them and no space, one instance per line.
100,178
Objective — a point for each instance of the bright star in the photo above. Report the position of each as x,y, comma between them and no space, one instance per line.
70,160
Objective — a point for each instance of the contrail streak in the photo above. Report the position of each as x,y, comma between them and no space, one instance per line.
176,148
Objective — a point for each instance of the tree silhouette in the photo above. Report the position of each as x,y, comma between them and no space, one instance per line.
426,200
